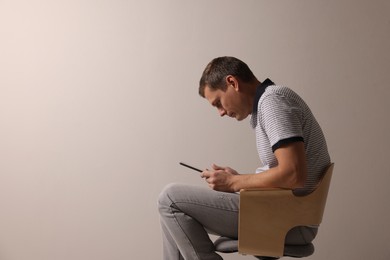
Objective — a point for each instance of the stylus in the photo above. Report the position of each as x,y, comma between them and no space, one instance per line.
191,167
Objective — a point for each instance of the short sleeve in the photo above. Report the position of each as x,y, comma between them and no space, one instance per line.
281,119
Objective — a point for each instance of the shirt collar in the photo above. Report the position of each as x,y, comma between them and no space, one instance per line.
259,92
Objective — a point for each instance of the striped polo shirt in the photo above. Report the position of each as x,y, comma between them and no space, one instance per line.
280,116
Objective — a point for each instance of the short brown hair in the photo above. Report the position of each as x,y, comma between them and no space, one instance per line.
216,71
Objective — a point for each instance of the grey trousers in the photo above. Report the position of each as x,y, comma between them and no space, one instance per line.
188,214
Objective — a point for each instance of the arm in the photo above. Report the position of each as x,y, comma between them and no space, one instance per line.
290,172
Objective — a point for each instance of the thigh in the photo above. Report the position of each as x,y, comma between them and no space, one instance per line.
216,211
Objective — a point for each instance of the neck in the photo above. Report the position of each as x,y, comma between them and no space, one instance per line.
252,86
249,90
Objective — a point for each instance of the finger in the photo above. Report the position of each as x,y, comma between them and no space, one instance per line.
205,174
220,172
217,167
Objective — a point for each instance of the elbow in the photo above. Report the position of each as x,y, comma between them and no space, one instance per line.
299,183
296,178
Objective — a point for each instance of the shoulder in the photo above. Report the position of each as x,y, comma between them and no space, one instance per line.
281,91
276,95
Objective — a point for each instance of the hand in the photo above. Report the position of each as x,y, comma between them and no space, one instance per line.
226,169
220,178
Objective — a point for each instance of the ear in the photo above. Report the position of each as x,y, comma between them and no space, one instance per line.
232,81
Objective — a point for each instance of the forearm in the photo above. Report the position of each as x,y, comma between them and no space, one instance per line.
276,177
290,173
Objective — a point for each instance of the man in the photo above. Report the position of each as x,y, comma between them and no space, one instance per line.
291,147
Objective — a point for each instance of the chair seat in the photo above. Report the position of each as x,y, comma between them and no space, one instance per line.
228,245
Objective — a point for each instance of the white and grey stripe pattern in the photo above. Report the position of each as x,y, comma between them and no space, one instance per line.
282,117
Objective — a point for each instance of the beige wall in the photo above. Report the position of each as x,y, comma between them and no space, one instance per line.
98,104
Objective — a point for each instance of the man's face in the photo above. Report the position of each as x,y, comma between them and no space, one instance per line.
229,102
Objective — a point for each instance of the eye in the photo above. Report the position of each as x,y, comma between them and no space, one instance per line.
218,104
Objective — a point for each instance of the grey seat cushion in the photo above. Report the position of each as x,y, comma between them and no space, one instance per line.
226,245
229,245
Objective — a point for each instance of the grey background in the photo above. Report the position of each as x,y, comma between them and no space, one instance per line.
99,103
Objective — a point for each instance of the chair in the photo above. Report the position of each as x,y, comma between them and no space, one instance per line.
267,215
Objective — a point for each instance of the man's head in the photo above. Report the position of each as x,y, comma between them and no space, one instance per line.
229,85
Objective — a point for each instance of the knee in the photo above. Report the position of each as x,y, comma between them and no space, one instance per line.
165,199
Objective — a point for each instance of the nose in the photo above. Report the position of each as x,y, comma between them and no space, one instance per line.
222,112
